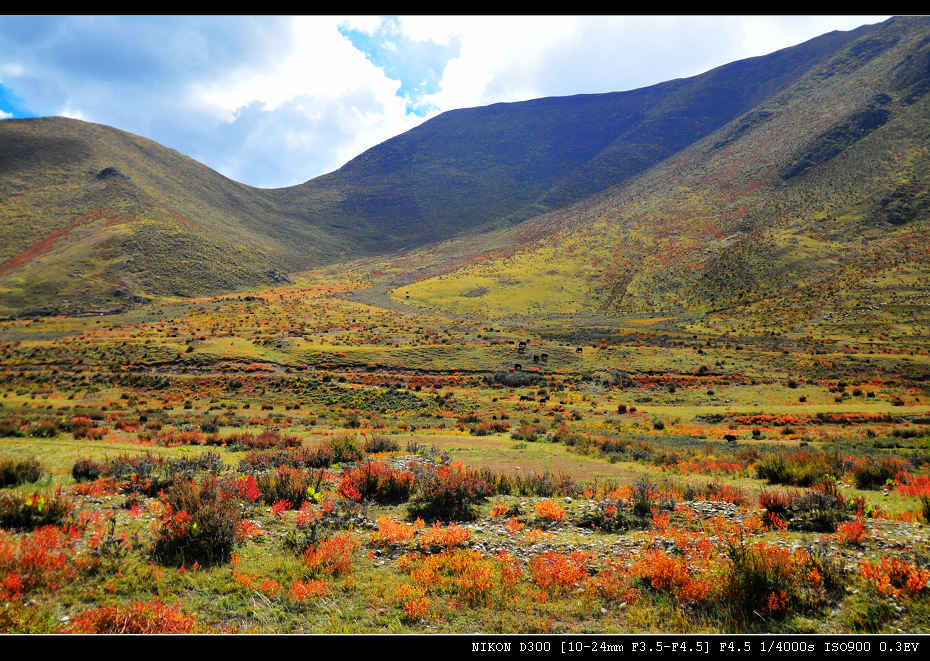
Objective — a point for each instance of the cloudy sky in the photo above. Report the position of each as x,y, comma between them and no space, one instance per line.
273,101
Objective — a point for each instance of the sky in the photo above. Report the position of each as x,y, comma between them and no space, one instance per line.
273,101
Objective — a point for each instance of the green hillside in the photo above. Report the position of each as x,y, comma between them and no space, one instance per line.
94,218
809,210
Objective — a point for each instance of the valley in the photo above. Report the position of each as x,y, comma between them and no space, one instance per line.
597,455
654,361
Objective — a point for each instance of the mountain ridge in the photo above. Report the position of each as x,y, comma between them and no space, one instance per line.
160,224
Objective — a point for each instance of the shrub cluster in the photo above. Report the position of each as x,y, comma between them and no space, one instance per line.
199,523
34,510
14,472
295,457
381,444
773,581
86,470
345,449
535,484
287,484
818,510
450,493
11,428
138,617
488,428
874,474
802,468
376,481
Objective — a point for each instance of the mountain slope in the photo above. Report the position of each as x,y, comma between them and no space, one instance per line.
91,216
499,164
96,218
811,206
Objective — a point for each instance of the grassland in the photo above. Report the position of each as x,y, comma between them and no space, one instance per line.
651,405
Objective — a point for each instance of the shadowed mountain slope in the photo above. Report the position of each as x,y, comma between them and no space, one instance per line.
496,165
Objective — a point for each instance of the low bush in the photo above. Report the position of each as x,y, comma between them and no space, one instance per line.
438,538
44,429
285,484
84,427
199,524
489,427
450,493
378,482
534,484
40,559
345,449
874,474
332,555
820,509
772,581
14,472
381,444
125,466
527,432
800,468
11,428
86,470
139,617
295,457
611,516
34,510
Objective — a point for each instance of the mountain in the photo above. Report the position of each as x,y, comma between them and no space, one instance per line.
493,166
92,217
811,208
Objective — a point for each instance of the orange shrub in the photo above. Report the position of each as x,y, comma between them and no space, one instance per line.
137,617
612,583
549,510
376,481
105,486
449,537
41,559
916,486
499,509
894,576
416,609
391,531
464,573
534,535
661,520
332,555
302,590
664,572
555,573
851,532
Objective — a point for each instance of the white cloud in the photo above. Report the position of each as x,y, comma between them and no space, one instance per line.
4,114
73,113
273,101
11,70
517,58
324,81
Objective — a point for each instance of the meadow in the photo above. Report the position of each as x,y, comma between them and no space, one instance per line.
294,459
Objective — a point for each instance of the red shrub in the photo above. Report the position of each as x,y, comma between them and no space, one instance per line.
137,617
376,481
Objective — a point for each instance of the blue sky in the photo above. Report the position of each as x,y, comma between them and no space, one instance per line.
275,100
418,65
